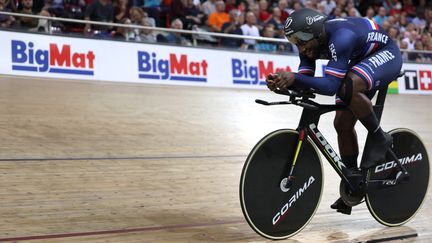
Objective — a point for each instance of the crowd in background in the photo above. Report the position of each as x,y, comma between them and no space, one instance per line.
408,22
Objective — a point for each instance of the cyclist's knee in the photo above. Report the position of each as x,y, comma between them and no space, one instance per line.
351,86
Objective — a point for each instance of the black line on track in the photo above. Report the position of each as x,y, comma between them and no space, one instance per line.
125,158
399,237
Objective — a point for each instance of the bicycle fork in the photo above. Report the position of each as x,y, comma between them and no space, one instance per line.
287,181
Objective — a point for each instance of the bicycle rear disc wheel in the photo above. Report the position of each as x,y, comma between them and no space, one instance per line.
269,210
396,205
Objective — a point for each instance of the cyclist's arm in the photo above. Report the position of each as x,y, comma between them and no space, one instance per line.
336,68
307,66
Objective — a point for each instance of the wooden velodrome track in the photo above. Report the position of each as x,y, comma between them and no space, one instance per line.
109,162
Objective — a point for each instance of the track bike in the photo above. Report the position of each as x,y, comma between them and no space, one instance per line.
281,181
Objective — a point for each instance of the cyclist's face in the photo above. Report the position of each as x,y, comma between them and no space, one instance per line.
310,49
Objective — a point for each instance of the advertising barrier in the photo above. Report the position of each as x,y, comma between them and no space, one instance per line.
103,60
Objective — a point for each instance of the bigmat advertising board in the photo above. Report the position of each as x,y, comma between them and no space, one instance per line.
102,60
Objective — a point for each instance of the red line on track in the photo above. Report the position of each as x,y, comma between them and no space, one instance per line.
119,231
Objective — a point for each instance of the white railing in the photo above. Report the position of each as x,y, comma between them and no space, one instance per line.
191,32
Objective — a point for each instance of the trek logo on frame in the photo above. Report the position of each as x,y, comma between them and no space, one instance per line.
26,56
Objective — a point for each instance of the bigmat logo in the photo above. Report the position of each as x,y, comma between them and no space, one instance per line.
57,59
243,73
418,81
176,68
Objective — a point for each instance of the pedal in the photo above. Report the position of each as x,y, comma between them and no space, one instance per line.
341,207
346,211
349,198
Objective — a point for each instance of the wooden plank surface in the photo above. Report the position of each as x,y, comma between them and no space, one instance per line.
108,162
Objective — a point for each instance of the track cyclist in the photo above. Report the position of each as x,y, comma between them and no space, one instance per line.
362,59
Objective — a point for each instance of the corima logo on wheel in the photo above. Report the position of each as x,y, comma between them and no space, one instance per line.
404,161
295,197
55,59
175,67
249,74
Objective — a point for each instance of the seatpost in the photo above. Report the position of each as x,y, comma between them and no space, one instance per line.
379,104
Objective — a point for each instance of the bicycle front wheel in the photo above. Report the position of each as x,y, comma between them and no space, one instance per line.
271,210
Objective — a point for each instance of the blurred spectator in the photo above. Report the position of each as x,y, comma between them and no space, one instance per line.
151,20
136,15
418,57
153,9
37,5
428,56
250,29
102,11
394,7
263,14
336,13
410,39
54,8
321,8
275,20
370,13
147,35
393,34
11,5
121,11
329,5
283,5
428,16
209,7
428,28
177,10
409,8
425,38
404,47
233,27
254,8
419,20
310,4
403,22
122,33
218,18
381,16
175,37
421,7
229,5
193,14
27,22
351,10
5,20
267,46
386,26
296,6
75,9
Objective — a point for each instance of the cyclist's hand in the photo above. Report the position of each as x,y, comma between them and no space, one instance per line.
271,81
284,79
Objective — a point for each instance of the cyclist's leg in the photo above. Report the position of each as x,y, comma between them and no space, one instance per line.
365,77
344,123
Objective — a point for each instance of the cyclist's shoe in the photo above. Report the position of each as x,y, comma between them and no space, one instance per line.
341,207
376,149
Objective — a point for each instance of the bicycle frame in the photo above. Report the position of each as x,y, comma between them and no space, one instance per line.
308,126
